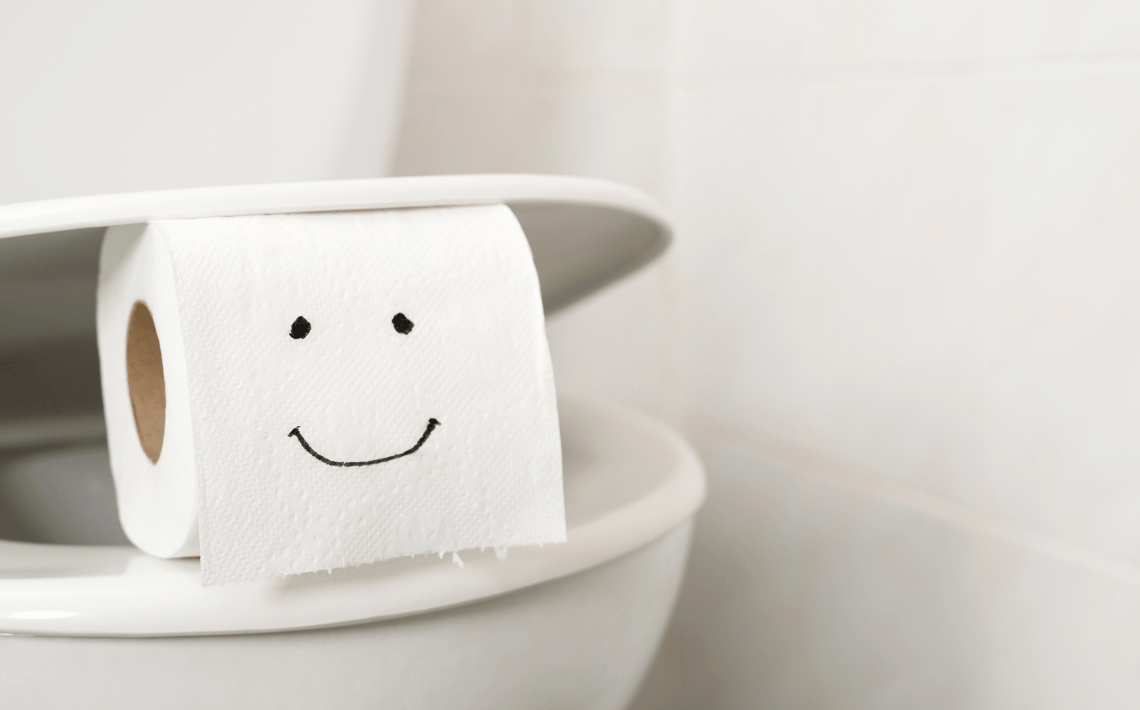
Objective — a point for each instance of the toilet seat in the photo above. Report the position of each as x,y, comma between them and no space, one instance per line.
628,481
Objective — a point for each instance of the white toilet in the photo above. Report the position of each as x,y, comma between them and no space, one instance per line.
89,621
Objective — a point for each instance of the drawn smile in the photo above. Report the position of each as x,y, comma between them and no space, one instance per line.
431,425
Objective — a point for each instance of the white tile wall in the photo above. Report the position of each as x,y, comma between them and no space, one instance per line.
842,266
807,592
906,245
522,86
1044,28
725,39
1063,327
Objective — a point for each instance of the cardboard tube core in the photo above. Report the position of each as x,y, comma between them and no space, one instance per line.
145,381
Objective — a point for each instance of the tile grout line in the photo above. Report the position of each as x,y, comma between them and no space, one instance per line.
805,462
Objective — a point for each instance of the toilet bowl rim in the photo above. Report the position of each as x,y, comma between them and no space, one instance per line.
147,596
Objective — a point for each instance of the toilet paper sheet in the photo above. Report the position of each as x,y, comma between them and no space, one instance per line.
340,388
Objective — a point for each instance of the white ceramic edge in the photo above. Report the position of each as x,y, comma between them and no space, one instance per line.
165,598
327,196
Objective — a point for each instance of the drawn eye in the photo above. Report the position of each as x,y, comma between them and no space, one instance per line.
400,322
301,328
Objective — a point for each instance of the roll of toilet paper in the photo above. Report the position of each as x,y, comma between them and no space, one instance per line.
292,393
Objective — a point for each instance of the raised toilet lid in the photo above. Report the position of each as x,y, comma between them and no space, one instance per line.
628,479
583,233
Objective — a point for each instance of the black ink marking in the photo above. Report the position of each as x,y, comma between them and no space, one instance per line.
300,329
402,324
432,424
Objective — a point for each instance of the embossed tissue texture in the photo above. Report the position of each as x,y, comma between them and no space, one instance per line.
357,387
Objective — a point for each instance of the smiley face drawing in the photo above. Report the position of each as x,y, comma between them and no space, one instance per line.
341,388
402,325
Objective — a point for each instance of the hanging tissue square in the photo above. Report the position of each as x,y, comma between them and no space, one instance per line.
292,393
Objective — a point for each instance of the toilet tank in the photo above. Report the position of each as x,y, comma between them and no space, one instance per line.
132,95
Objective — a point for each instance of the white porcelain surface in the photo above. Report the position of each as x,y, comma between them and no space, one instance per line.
140,96
63,494
583,647
581,641
583,233
620,346
628,481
